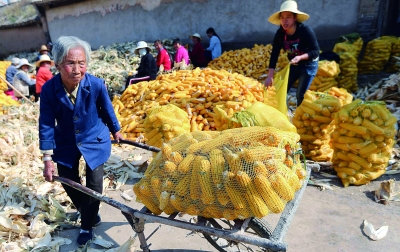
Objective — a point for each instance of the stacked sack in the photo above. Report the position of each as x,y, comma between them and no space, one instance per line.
313,120
326,76
363,141
233,174
348,53
393,66
377,54
3,68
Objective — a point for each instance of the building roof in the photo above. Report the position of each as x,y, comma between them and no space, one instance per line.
13,16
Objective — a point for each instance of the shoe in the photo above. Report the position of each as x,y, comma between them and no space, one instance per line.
83,238
97,221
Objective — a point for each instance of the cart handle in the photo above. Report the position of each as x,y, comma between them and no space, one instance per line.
140,145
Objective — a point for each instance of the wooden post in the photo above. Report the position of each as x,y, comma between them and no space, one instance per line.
17,91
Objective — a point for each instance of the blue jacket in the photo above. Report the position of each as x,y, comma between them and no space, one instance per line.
84,127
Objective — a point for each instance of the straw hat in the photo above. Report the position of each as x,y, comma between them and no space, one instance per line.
291,6
43,48
140,45
195,35
15,61
42,58
24,62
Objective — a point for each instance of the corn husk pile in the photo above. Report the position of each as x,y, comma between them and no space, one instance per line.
31,209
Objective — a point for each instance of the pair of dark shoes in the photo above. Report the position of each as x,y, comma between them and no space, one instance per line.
84,237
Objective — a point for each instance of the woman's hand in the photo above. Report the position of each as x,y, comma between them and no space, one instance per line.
118,136
48,170
269,81
295,60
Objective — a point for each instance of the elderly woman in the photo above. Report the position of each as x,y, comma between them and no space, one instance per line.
22,82
197,53
76,118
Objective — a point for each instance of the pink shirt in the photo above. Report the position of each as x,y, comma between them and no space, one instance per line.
182,53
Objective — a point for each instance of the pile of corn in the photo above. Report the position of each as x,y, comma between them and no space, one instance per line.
6,101
313,121
163,123
348,53
3,67
363,141
391,66
196,91
326,76
232,174
376,55
252,62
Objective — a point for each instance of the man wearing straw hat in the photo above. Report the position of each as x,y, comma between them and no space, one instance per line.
22,82
196,55
301,45
43,74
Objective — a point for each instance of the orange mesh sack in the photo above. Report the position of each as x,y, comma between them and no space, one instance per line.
164,123
363,141
281,84
233,174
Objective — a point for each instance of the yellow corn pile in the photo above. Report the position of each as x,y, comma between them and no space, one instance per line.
391,66
232,174
3,67
326,76
196,91
313,120
6,101
363,141
252,62
354,47
376,55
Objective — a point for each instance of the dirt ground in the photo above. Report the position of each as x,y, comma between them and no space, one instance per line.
326,220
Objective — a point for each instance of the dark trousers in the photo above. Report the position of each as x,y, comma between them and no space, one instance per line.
305,73
86,205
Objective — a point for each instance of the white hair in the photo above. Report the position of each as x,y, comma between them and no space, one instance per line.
65,43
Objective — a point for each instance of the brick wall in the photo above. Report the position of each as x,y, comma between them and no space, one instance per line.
368,13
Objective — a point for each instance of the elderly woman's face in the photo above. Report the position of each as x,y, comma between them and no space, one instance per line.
73,67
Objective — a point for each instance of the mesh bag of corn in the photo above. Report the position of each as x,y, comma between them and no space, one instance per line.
377,54
313,120
3,68
233,174
347,78
393,66
164,123
326,76
362,141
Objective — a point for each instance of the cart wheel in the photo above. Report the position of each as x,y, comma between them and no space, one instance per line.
258,227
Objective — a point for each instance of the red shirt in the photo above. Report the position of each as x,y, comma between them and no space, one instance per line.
164,59
43,75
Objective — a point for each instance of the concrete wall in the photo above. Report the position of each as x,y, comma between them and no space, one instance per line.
104,22
21,39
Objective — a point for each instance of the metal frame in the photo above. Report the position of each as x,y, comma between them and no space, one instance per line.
137,220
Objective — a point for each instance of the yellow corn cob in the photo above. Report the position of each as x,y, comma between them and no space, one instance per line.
354,166
262,153
233,160
192,209
177,202
205,182
186,165
349,140
182,188
169,167
194,179
166,150
229,214
372,127
348,171
164,200
235,196
217,166
222,196
270,197
145,189
242,213
147,201
281,186
253,198
260,168
167,185
369,148
155,183
175,157
382,111
213,211
359,160
351,127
